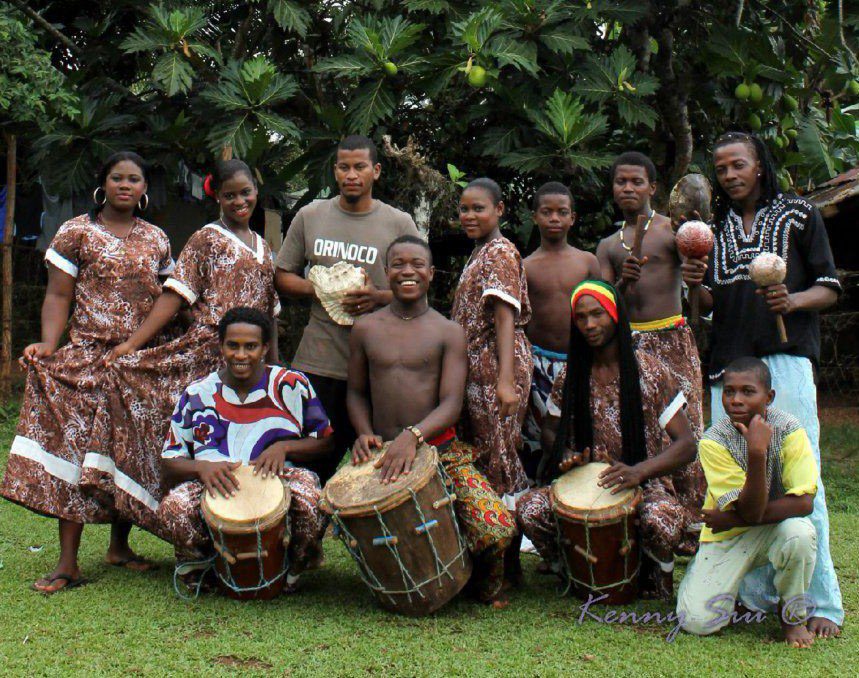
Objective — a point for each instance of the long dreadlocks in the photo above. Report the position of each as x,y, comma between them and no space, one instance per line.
769,172
576,403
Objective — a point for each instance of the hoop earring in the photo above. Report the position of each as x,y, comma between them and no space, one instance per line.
95,196
145,204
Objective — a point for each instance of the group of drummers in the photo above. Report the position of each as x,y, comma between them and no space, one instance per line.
559,406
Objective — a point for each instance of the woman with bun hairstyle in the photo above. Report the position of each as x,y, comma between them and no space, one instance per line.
103,279
222,266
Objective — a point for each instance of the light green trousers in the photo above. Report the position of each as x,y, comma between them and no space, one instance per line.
707,595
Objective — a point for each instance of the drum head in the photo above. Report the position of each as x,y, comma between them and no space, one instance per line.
357,489
578,491
256,499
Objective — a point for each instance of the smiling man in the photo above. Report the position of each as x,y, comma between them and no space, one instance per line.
407,372
247,413
354,227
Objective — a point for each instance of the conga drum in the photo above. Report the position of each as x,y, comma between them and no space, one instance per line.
250,533
404,536
597,535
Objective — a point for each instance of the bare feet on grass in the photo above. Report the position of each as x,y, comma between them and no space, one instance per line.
125,557
822,627
797,635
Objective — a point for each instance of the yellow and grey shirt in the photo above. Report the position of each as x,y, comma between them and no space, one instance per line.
791,468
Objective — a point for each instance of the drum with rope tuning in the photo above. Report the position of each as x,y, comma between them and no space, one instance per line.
404,536
250,533
597,535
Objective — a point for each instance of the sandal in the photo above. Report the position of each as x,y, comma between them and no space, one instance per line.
71,583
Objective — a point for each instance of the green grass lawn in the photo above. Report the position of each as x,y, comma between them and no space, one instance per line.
127,623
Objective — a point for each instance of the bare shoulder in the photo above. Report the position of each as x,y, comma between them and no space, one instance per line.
448,329
662,225
605,244
369,321
583,256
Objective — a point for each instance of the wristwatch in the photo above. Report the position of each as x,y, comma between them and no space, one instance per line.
416,432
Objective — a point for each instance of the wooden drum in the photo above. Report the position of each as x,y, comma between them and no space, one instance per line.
597,534
250,532
404,536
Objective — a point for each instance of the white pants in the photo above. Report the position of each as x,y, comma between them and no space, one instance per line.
707,595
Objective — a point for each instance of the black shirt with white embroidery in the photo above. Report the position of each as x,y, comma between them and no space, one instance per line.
742,324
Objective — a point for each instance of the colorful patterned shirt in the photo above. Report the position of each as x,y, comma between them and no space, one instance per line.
211,423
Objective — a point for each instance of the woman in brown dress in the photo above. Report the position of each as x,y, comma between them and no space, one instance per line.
491,303
107,263
222,266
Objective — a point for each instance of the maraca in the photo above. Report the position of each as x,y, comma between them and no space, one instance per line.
694,241
768,269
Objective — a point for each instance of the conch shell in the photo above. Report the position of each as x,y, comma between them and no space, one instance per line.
331,284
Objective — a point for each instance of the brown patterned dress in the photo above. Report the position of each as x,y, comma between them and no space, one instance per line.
215,272
63,417
494,274
669,510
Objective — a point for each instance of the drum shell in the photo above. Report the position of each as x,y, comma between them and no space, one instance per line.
241,539
603,536
414,550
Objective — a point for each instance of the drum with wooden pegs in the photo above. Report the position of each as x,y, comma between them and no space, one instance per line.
250,532
404,536
597,534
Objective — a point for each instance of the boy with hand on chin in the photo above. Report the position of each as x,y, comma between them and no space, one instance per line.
761,480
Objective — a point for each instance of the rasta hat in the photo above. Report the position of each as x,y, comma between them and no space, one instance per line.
602,292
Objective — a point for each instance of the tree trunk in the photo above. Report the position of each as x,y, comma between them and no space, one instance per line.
673,102
6,312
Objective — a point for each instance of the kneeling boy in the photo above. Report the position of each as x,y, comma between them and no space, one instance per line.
247,413
761,481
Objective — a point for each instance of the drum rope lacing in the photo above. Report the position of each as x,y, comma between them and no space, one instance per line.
410,586
628,577
208,564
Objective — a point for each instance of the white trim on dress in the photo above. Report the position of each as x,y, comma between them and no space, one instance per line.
55,466
504,297
182,290
673,408
258,250
122,481
58,260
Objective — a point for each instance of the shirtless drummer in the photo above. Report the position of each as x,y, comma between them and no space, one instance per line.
406,384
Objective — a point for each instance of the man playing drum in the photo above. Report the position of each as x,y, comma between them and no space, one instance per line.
352,227
248,413
407,369
617,405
